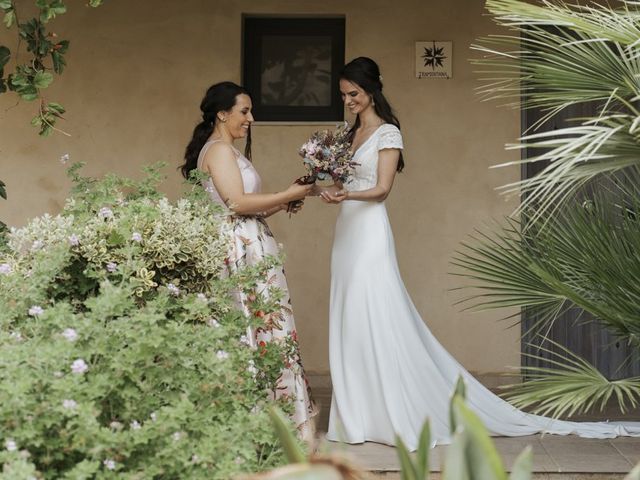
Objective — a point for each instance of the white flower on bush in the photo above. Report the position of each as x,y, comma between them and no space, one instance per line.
153,416
252,368
135,425
109,464
5,269
176,436
10,445
136,237
105,213
69,404
202,297
222,355
74,240
115,425
79,366
70,334
17,336
58,374
36,310
64,158
173,290
212,322
245,340
112,267
37,245
195,458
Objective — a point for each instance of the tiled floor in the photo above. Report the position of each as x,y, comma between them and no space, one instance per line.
571,456
550,454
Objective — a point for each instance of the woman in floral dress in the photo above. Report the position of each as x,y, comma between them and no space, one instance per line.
235,184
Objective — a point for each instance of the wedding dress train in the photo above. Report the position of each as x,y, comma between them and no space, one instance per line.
389,372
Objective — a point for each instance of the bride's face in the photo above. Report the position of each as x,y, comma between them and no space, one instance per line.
239,118
354,97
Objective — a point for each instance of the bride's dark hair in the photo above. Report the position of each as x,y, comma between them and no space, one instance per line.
220,97
365,73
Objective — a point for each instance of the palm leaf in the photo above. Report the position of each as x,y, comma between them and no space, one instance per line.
572,386
586,256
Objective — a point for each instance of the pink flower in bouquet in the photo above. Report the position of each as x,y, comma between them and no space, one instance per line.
327,155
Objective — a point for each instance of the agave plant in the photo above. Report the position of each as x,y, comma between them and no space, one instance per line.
575,238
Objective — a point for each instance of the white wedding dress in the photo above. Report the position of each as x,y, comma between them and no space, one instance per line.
389,372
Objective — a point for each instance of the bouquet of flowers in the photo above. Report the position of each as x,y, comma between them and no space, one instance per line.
327,155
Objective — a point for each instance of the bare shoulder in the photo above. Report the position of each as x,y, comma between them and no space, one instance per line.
219,153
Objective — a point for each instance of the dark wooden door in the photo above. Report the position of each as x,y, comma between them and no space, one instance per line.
575,329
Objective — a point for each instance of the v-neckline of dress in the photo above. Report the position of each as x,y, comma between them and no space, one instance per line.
368,138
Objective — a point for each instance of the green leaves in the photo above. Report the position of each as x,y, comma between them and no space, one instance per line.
585,256
42,80
573,386
9,13
289,443
5,55
418,469
49,9
560,56
33,76
155,398
57,56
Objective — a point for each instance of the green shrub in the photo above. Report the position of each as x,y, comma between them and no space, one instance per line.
121,352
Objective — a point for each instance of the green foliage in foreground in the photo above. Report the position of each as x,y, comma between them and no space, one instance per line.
472,454
121,353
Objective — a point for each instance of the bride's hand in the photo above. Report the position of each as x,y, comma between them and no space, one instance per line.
333,195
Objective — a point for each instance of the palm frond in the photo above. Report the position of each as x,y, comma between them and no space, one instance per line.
575,156
573,386
561,56
555,69
587,256
620,25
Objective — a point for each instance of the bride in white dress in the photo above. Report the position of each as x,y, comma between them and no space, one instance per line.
389,372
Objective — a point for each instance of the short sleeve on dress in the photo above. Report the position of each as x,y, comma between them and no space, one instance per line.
390,137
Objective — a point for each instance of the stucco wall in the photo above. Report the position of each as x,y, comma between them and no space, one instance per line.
138,69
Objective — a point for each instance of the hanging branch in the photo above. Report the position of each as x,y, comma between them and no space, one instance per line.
47,56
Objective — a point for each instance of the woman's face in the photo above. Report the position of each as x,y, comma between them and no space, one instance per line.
354,97
239,118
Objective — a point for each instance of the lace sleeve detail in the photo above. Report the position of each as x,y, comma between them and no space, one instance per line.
390,137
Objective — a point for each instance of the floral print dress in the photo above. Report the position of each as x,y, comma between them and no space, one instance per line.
252,241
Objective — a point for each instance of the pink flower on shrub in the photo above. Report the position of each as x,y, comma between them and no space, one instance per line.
36,310
79,366
136,237
5,268
70,334
74,240
222,355
105,213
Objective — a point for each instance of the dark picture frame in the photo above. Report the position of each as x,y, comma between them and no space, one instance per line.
291,67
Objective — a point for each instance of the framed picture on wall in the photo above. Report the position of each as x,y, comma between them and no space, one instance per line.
291,67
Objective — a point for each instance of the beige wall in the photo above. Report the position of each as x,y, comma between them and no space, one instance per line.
138,69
